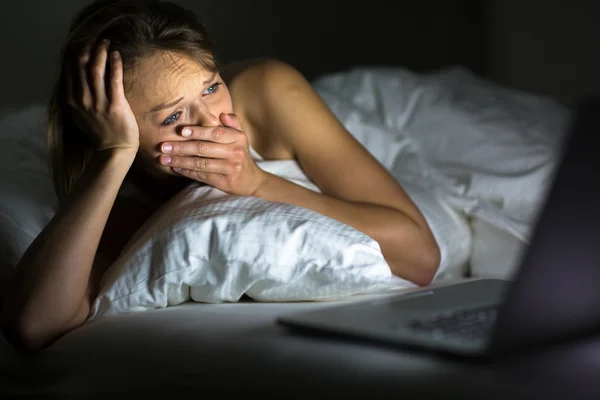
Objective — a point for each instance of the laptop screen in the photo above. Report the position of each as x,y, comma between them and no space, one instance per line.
556,292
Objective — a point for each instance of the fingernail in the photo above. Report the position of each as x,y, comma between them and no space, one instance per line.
167,148
177,169
104,41
166,160
186,132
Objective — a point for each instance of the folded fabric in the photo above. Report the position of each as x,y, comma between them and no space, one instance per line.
486,151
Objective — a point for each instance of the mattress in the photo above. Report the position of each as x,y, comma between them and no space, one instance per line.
231,348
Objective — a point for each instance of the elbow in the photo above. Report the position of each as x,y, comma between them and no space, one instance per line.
420,265
428,257
429,261
30,332
22,336
17,329
25,333
428,266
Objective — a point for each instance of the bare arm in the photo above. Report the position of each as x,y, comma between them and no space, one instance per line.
357,189
57,277
51,291
405,241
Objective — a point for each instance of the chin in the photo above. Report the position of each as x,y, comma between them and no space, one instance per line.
163,173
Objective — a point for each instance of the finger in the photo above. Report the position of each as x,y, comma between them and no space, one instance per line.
197,175
84,87
201,148
200,164
219,134
98,70
231,120
117,92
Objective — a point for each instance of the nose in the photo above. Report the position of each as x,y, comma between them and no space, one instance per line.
207,118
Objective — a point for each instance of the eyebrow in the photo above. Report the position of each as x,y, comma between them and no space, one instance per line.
163,106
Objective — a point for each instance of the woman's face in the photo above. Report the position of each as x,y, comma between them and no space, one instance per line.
166,92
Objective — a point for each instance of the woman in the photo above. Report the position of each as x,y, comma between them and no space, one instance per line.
141,98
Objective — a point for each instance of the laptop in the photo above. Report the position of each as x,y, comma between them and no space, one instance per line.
554,295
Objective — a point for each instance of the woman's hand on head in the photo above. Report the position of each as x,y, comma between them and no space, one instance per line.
216,155
97,100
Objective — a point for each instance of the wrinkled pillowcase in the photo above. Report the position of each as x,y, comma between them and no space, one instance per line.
207,246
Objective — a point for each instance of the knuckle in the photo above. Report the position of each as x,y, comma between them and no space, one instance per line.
202,147
200,175
233,168
114,109
86,104
238,154
218,132
98,70
241,138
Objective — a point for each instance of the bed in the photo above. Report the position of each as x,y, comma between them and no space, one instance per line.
411,86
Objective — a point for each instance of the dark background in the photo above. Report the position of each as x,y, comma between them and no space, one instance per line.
536,45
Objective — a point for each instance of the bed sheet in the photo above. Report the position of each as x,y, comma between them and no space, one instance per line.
232,348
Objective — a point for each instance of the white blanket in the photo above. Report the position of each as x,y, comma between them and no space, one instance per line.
487,151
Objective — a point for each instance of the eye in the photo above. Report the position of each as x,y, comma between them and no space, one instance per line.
172,118
212,89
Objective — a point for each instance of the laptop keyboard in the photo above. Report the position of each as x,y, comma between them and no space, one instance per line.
464,325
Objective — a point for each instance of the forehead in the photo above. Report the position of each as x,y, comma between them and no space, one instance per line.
161,76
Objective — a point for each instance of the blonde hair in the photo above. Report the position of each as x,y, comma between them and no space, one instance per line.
137,29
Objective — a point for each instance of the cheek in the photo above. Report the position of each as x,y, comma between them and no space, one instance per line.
224,106
224,103
150,141
147,139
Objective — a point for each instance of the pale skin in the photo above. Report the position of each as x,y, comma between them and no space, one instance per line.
264,104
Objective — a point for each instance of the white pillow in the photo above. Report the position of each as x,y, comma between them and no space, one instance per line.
27,198
207,246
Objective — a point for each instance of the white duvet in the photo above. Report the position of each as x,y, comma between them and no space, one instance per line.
487,151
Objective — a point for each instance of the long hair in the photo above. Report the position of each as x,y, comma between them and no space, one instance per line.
137,29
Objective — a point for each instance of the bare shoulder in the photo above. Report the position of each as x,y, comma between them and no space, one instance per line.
253,82
255,86
253,71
